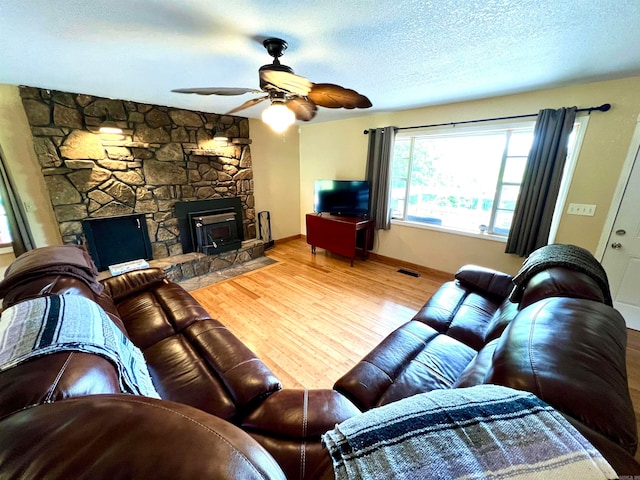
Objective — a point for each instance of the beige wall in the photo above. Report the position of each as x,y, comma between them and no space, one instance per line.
276,170
338,150
285,168
16,144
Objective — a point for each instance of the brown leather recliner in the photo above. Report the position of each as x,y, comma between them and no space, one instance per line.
561,342
199,368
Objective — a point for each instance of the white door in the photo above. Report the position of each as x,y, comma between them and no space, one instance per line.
621,258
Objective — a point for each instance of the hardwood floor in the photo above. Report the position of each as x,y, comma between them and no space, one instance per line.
310,318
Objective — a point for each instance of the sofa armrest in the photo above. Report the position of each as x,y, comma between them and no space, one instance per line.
247,378
485,280
300,414
289,424
129,283
570,353
125,436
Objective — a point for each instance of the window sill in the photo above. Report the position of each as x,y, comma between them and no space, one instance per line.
4,249
453,231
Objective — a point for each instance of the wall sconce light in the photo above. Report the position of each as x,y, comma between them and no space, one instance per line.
278,116
109,126
219,136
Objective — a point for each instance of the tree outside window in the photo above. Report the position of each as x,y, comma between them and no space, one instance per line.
465,180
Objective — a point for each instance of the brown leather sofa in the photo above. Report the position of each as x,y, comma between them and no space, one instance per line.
210,383
223,413
561,342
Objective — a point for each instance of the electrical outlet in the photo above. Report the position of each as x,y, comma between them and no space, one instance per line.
581,209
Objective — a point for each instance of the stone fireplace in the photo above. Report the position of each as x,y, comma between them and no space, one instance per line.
165,157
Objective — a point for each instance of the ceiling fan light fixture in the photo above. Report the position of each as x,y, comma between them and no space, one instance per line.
278,117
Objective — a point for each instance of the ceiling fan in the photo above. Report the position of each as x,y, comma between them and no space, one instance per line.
292,96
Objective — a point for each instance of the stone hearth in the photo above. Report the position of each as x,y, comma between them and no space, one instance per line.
191,265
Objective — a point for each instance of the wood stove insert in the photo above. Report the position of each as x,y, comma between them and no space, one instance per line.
210,226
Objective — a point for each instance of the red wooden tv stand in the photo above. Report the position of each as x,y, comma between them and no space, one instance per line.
339,234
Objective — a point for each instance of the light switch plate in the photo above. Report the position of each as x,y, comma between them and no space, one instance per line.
581,209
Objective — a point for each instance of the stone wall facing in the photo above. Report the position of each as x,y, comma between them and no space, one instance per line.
164,155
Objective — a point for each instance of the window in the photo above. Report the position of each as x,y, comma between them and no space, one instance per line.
462,179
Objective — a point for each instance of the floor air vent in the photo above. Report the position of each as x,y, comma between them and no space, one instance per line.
411,273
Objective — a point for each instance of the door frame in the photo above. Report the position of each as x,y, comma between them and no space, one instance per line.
619,193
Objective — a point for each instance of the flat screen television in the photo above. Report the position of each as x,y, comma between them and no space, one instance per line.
342,197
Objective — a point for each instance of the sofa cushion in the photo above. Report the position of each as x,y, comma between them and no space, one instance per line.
502,317
570,257
180,374
412,359
298,460
437,366
477,370
64,260
157,313
571,354
461,313
300,413
289,424
245,376
193,358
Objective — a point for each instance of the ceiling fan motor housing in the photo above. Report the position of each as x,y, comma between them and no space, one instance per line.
273,67
275,48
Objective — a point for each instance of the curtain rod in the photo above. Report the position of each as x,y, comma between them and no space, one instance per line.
602,108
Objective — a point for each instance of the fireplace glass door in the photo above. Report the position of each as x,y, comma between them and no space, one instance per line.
215,232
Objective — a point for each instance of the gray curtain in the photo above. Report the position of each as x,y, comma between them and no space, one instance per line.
379,172
18,226
541,182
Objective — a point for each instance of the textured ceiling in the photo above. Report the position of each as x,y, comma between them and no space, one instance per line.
401,54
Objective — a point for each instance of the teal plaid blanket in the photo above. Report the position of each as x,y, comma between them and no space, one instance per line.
57,323
483,432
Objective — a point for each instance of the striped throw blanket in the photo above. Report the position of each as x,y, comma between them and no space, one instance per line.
482,432
58,323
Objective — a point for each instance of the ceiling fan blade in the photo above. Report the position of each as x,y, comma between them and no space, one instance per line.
334,96
303,109
249,103
289,82
217,91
